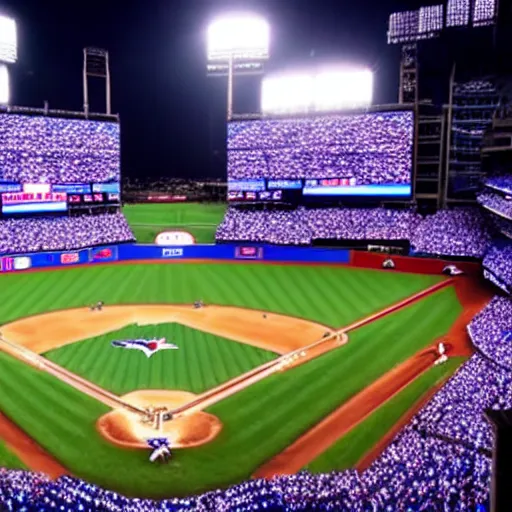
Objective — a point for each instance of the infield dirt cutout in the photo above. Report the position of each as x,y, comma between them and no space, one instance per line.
125,429
270,331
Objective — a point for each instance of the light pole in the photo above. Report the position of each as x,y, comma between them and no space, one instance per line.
237,44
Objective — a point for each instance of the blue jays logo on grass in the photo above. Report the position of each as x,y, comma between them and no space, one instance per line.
149,347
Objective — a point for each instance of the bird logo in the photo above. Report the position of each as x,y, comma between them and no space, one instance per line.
148,347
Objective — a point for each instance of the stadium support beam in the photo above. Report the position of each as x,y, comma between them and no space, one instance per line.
96,65
408,92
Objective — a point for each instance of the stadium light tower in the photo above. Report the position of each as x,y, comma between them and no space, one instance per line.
8,54
323,90
96,64
237,44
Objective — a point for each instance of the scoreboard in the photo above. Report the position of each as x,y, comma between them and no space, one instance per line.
297,191
45,197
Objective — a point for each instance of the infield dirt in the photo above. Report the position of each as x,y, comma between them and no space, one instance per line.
269,331
125,429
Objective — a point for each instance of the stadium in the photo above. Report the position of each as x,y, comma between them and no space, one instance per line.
327,328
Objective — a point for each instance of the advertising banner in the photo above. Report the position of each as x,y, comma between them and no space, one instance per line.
103,254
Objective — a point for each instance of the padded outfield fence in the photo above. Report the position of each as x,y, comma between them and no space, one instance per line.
131,253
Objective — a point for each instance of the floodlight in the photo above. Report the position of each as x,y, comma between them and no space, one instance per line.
457,13
322,91
8,45
238,37
484,13
403,27
4,85
430,20
290,93
343,88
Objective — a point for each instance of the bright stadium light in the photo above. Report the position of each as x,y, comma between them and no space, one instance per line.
8,40
322,91
343,88
238,37
237,42
287,94
4,85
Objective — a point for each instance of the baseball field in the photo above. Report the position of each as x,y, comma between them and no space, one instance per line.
286,367
200,220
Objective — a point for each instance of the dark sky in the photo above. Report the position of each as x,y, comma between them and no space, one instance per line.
172,115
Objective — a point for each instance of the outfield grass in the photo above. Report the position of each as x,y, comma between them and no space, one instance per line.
202,361
353,446
199,219
260,421
335,296
9,459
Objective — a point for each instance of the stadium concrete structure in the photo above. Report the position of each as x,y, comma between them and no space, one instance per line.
336,349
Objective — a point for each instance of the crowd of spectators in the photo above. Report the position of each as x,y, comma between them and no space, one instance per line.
457,232
498,260
373,148
361,223
455,414
285,227
57,150
439,462
502,183
62,233
503,225
491,331
497,203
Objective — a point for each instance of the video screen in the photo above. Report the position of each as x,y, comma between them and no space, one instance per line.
72,189
111,188
369,154
36,149
33,202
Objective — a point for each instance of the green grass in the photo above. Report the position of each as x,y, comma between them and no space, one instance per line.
335,296
352,447
202,361
260,421
9,459
201,220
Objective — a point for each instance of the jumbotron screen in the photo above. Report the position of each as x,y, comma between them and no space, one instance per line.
358,155
43,149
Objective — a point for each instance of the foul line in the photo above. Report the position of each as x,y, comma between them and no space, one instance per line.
299,356
215,395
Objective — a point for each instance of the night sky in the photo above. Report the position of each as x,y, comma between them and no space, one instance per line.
172,115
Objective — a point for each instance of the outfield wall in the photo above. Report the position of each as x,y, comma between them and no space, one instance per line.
225,252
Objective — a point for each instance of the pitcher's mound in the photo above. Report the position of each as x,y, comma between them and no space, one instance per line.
126,429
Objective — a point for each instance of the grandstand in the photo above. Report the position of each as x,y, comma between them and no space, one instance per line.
60,182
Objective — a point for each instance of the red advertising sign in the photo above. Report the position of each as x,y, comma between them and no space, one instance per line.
103,254
69,258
